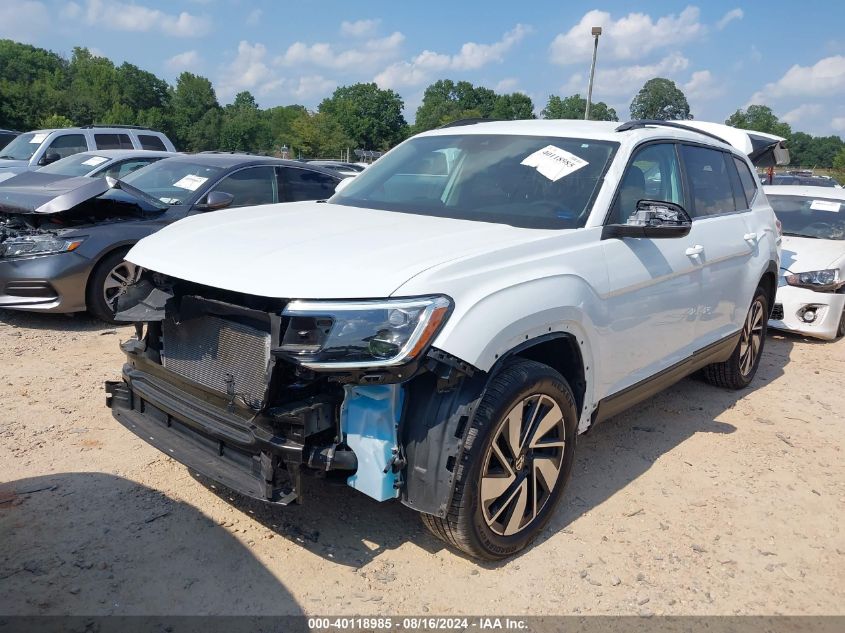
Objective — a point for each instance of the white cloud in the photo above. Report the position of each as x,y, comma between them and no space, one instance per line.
360,28
313,86
625,80
509,84
730,16
189,60
803,114
471,56
371,54
824,78
703,85
628,38
838,123
254,17
23,21
248,71
121,16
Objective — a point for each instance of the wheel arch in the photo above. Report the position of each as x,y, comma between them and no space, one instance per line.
769,282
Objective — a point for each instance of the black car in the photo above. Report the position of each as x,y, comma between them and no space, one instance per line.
6,137
62,243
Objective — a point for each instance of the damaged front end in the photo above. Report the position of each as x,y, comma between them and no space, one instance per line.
256,392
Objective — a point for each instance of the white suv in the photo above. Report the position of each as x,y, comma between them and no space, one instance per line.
444,326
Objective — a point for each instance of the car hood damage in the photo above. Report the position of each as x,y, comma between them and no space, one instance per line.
316,250
804,254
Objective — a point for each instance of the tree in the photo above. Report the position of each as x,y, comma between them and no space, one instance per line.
574,107
33,84
761,119
839,160
318,135
94,87
660,99
445,101
513,107
280,123
242,127
54,121
370,118
196,113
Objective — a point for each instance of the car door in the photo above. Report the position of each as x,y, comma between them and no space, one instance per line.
251,186
652,305
306,184
726,243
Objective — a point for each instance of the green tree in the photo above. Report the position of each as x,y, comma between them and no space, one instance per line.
513,107
660,99
574,107
118,114
196,113
94,87
242,128
280,123
371,118
33,84
759,118
54,121
838,162
141,90
318,135
445,101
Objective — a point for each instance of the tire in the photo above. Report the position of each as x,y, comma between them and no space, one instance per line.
738,371
109,275
840,331
482,521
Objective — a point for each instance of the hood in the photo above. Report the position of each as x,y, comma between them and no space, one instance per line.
8,166
311,250
803,254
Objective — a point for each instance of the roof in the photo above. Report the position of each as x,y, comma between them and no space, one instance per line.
118,154
225,161
805,191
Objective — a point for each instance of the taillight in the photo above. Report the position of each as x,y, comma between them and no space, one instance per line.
779,226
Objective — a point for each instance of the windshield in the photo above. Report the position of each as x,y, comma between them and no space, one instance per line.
23,147
801,216
525,181
76,165
172,181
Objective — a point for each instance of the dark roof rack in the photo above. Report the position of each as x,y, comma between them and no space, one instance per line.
640,123
461,122
230,151
122,127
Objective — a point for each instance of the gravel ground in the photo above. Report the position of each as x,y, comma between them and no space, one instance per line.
698,501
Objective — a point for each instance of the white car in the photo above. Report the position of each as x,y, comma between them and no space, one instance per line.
811,291
442,328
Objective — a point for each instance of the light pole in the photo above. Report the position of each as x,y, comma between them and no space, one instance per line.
596,32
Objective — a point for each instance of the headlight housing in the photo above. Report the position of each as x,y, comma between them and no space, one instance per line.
361,334
821,280
31,245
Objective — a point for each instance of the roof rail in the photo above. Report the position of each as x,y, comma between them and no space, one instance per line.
122,127
461,122
640,123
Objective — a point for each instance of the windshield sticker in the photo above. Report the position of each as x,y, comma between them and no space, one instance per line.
190,182
38,138
94,161
825,205
554,163
169,200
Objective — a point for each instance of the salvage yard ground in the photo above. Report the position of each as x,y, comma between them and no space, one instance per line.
698,501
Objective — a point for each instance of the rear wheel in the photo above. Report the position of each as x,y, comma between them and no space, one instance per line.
738,371
108,282
840,331
516,462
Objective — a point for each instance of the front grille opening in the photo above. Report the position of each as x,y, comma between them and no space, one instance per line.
777,312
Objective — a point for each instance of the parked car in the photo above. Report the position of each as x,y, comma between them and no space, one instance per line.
811,291
31,150
62,244
111,163
445,325
6,137
806,181
347,169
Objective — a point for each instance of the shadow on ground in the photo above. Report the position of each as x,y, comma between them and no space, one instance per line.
76,322
95,544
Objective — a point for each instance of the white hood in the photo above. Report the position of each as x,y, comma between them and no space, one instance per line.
804,254
311,250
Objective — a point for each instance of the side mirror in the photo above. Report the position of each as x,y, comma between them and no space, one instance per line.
215,201
48,158
653,219
343,184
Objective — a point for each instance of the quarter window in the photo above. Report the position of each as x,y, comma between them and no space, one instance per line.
304,184
67,145
740,203
708,181
749,183
252,186
154,143
113,141
653,174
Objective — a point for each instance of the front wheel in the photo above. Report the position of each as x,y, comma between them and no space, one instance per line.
108,282
738,371
516,462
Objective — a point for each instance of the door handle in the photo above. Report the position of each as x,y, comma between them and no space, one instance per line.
750,237
694,251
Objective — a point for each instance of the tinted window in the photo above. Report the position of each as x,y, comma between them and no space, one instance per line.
740,203
304,184
707,181
5,138
749,183
653,174
148,141
252,186
67,145
126,167
113,141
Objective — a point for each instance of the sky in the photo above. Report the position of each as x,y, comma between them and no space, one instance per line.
724,55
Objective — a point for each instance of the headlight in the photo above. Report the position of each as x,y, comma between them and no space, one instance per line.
37,245
361,334
816,279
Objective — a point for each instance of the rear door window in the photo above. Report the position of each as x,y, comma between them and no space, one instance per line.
749,182
67,145
305,184
151,142
251,186
113,141
708,182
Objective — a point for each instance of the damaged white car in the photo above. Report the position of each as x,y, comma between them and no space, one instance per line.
443,327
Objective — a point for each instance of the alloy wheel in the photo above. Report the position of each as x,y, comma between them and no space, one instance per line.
119,278
522,464
751,339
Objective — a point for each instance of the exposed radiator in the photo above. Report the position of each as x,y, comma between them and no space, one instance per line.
222,355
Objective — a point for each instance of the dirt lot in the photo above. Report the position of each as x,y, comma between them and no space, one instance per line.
699,501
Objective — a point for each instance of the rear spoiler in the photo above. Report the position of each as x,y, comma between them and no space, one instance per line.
763,150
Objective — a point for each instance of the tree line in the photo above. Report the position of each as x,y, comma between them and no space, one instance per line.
41,89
